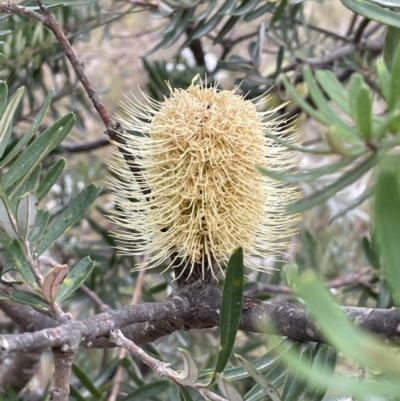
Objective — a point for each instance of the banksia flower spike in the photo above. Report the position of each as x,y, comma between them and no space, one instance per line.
203,195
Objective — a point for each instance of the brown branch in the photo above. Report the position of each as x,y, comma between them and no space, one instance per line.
25,363
360,30
195,306
196,48
83,146
63,358
21,370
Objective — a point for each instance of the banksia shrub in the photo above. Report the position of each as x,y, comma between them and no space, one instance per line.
202,195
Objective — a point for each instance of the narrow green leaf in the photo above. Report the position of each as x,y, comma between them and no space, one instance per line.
276,376
256,54
173,23
26,214
246,7
387,217
334,89
295,382
226,28
324,358
17,254
384,79
338,139
309,175
50,178
227,7
204,14
339,331
322,195
42,219
29,298
259,11
166,39
394,4
392,38
228,389
264,364
289,145
178,32
85,380
279,60
278,12
28,186
344,384
270,391
39,148
188,376
32,129
11,394
319,99
302,103
75,278
4,139
5,240
6,218
7,116
3,96
231,308
203,28
373,11
184,394
364,112
356,83
394,97
357,202
74,392
71,215
104,233
147,391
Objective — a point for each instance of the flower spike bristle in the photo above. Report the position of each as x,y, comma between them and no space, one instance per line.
198,156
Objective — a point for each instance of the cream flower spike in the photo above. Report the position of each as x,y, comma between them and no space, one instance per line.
198,156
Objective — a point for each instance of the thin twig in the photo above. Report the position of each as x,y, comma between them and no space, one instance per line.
360,30
95,298
134,35
12,8
161,368
83,146
355,278
134,301
51,23
114,129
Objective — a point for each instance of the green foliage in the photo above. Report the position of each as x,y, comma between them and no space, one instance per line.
22,187
353,101
231,308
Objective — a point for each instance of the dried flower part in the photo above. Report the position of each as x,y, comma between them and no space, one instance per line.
198,155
